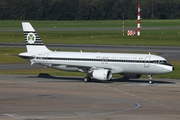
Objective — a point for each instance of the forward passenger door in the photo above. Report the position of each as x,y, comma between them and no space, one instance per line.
147,60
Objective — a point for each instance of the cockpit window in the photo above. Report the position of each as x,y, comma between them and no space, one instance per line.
155,61
162,62
165,61
159,61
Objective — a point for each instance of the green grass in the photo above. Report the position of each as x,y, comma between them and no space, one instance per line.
166,37
88,23
154,38
10,55
12,37
66,24
160,23
147,38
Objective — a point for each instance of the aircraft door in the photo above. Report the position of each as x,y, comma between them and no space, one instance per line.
45,57
104,60
147,60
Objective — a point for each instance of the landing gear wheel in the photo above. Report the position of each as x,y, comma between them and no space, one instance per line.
150,79
87,79
151,82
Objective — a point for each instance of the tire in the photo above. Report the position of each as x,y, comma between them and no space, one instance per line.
87,79
151,82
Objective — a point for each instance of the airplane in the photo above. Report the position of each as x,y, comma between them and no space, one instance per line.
100,66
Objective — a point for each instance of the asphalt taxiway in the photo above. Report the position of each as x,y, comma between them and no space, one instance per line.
27,97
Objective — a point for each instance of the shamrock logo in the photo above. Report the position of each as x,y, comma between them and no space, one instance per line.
31,38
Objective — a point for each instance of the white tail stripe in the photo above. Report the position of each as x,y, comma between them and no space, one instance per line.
27,27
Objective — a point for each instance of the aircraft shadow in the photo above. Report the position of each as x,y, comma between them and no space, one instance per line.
80,79
158,81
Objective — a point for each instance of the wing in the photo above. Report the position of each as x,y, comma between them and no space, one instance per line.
86,69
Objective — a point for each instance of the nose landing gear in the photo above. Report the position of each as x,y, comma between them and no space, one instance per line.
150,79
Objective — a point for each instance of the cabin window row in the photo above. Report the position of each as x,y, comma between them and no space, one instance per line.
101,60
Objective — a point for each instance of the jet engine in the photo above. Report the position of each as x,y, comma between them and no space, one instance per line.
102,74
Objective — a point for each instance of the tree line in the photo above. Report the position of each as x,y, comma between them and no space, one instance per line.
87,9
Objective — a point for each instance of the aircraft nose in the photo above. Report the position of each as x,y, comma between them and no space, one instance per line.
171,67
168,68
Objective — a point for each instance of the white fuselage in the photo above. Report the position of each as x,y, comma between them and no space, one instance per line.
117,63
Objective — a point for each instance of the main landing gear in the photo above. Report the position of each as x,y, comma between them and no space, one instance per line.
150,79
87,79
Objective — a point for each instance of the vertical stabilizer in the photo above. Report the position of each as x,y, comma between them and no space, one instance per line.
33,41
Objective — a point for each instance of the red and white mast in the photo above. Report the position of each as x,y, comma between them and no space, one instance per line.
139,20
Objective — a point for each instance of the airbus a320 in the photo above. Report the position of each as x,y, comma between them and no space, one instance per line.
100,66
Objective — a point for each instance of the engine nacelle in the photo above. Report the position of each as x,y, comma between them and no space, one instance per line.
137,76
102,74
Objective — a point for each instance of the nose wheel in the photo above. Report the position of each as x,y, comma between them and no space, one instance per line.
150,79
